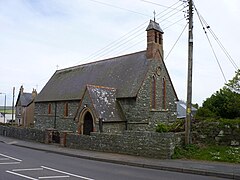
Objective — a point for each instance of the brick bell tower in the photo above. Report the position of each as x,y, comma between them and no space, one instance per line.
154,40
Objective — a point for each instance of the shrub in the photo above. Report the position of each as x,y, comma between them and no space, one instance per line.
162,127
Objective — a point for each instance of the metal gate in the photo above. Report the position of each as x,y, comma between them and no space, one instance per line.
55,137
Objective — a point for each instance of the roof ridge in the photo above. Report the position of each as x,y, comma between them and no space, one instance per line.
101,87
98,61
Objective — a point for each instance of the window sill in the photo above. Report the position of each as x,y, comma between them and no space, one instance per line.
159,110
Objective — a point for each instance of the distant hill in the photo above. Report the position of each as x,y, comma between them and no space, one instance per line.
7,107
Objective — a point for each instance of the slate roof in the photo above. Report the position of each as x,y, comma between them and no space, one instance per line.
154,25
104,102
181,109
24,99
124,73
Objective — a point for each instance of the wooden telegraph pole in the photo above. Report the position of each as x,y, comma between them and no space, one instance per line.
189,79
13,105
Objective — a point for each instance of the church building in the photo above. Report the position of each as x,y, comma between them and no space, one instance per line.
132,92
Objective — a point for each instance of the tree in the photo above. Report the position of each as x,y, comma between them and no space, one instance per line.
234,84
225,103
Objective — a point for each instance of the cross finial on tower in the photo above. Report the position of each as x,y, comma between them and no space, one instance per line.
154,14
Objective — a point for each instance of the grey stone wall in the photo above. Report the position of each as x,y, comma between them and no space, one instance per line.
113,127
147,144
139,112
23,133
217,133
56,119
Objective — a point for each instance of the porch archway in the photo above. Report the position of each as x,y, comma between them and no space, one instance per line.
86,122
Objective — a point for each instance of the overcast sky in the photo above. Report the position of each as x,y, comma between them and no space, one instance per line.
37,37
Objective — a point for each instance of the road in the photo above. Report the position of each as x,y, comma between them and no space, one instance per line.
18,163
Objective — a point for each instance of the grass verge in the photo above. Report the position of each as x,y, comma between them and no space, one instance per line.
209,153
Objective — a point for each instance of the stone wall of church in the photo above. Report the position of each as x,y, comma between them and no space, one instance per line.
43,120
56,119
138,111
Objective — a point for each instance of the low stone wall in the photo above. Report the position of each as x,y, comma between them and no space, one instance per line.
23,133
148,144
220,133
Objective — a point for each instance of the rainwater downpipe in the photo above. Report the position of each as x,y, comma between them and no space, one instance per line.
55,116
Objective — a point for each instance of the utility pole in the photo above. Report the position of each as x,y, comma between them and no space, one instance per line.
4,111
189,79
13,104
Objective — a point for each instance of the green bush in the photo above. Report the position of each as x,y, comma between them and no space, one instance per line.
162,127
177,126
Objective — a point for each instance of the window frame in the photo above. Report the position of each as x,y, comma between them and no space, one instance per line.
153,92
49,108
66,109
164,92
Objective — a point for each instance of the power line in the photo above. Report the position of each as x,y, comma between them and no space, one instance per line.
143,38
176,41
113,44
176,22
159,4
216,58
202,20
132,37
110,5
126,36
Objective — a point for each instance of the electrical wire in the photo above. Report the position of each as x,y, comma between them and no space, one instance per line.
139,34
216,58
202,20
115,43
112,46
176,42
173,23
143,38
159,4
110,5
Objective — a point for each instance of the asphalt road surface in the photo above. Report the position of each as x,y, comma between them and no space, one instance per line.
17,163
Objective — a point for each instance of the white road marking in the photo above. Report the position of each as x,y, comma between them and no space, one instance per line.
10,163
70,174
53,177
27,177
32,169
3,159
13,142
10,157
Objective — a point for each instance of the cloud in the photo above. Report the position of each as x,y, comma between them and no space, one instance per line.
36,36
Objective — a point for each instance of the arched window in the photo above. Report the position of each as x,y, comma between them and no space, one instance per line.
160,39
164,93
49,108
66,109
153,100
155,37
